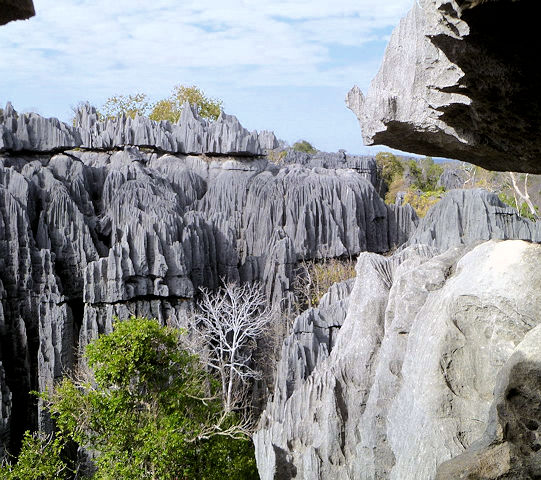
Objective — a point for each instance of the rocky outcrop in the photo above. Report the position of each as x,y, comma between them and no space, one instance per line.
464,217
409,382
362,164
452,179
15,10
450,87
89,234
510,447
191,135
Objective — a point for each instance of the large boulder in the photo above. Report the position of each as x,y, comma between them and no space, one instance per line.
410,378
458,81
510,447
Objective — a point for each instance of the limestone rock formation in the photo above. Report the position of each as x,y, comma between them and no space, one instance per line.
450,86
191,135
510,446
15,10
89,234
464,217
409,381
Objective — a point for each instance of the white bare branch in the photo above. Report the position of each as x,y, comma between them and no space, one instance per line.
223,331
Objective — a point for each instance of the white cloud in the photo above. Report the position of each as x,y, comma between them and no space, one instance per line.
90,49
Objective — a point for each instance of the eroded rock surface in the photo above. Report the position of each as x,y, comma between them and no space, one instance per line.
510,448
89,234
458,81
409,383
464,217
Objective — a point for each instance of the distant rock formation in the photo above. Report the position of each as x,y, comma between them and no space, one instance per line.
464,217
191,135
92,226
15,10
450,87
409,379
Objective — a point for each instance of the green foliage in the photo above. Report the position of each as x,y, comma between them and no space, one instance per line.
425,173
149,410
131,105
523,209
391,170
40,458
421,203
304,146
171,108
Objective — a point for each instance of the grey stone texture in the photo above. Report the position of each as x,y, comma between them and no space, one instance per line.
409,380
15,10
510,448
191,135
450,86
467,216
89,234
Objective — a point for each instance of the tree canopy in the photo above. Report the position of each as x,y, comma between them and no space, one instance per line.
146,409
166,109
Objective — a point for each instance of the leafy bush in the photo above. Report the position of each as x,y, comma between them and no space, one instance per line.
149,410
165,109
276,156
171,108
131,105
422,202
425,174
40,458
523,209
304,146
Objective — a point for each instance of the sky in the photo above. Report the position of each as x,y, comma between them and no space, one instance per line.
281,65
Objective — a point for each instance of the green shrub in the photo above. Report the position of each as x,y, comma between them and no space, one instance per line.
421,203
304,146
523,209
149,410
40,458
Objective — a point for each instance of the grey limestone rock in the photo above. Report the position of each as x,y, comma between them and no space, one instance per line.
510,446
15,10
191,135
449,86
32,132
469,216
452,178
409,382
86,235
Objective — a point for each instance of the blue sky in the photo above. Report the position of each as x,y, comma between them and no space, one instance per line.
283,65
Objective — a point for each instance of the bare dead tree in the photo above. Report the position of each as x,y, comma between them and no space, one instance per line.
523,194
224,330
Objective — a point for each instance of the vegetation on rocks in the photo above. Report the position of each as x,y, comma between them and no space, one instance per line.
304,146
166,109
316,277
145,408
423,201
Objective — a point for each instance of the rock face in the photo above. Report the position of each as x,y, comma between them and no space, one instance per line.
408,383
450,86
89,234
464,217
191,135
510,446
15,10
